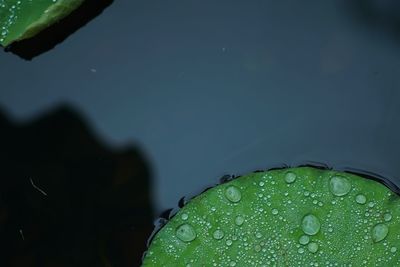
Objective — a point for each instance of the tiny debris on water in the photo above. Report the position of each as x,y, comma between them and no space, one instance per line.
37,188
22,234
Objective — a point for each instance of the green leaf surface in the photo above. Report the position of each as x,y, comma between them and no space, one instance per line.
22,19
289,217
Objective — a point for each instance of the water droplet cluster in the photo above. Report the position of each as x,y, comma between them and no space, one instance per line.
296,217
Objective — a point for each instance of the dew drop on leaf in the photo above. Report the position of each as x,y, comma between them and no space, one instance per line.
312,247
232,193
290,177
310,224
304,239
339,186
218,234
379,232
239,220
361,199
186,233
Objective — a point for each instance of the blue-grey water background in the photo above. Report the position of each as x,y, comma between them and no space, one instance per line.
207,88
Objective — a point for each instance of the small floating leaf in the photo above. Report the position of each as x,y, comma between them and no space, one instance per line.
22,19
269,219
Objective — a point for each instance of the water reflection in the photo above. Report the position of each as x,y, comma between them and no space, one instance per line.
66,199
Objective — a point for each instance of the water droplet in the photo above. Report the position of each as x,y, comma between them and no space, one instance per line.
239,220
185,232
290,177
184,216
232,193
361,199
258,235
232,263
379,232
300,250
310,224
229,242
393,249
304,239
312,247
261,183
339,186
387,217
218,234
275,211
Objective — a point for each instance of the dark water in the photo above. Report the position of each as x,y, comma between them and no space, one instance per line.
186,92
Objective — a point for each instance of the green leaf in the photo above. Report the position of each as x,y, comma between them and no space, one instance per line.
289,217
22,19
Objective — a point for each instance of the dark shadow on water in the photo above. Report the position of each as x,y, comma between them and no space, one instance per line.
57,33
376,14
66,199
